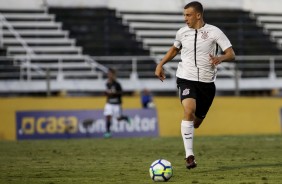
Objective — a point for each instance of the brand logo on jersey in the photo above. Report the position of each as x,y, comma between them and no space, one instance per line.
185,92
205,35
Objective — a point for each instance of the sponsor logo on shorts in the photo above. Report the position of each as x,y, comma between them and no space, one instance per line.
185,92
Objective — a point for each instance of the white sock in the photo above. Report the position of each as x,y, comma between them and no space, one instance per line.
187,132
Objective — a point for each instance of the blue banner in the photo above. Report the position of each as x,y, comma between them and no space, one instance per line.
84,123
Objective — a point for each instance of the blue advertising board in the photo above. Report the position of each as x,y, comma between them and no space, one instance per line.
83,123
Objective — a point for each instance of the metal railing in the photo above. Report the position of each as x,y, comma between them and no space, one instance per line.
143,66
29,51
58,64
11,29
137,62
246,73
137,72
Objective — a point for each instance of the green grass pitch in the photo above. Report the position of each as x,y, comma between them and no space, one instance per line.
221,160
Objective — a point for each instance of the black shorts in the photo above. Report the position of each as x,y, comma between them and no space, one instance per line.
202,92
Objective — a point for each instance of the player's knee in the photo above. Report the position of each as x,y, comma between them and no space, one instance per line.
189,114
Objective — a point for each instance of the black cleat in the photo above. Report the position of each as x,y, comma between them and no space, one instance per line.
190,162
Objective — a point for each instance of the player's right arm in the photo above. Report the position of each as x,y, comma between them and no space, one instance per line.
171,53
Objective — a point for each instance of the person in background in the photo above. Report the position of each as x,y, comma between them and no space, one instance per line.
196,73
147,99
113,107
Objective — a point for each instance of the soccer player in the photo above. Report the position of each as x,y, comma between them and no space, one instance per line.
113,107
196,73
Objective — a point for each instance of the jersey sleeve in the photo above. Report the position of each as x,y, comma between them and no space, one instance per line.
222,40
118,87
177,41
108,86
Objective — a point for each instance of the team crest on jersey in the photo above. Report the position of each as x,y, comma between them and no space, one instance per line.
205,35
185,92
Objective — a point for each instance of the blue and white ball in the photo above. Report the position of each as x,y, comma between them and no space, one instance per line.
161,170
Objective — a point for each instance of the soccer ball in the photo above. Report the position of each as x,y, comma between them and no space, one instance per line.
161,170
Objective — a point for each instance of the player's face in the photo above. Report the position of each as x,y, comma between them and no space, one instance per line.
191,17
111,75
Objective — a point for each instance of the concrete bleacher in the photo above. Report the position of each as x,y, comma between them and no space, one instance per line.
35,22
8,70
38,45
157,31
101,33
272,24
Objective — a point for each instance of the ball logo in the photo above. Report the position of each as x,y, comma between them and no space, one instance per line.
185,92
161,171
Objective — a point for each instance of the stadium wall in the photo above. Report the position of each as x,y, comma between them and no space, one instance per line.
227,116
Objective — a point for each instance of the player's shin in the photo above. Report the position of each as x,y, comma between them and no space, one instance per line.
187,132
108,126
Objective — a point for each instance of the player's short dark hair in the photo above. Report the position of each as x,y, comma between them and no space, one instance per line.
196,5
113,71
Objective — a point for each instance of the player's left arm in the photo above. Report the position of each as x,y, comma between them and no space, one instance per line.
118,90
228,55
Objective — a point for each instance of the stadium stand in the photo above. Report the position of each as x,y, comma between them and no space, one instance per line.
8,71
36,44
157,30
272,24
60,41
101,33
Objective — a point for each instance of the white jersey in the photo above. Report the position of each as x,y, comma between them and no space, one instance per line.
196,45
